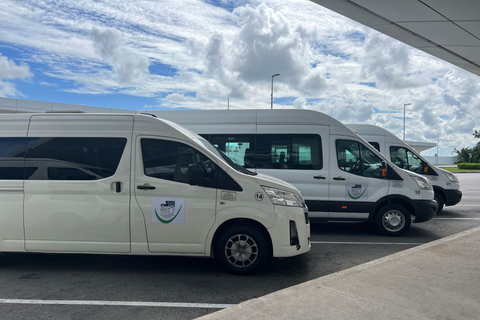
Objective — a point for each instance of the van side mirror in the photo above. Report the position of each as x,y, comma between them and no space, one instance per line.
195,174
384,169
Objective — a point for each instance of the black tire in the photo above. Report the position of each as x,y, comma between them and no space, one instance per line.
392,220
440,202
242,249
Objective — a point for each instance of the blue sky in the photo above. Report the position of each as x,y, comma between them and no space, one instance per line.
198,54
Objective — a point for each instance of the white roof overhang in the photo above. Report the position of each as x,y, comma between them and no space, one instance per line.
449,30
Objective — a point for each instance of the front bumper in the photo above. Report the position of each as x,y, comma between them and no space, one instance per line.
452,197
280,232
424,210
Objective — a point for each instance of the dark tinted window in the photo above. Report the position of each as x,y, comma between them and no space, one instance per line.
376,145
406,159
12,152
272,151
355,158
74,158
169,160
289,151
240,148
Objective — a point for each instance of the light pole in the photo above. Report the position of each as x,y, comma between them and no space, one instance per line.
438,141
404,105
271,96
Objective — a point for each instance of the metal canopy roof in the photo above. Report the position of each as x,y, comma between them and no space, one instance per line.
447,29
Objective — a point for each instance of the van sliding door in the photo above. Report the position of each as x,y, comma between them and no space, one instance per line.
78,198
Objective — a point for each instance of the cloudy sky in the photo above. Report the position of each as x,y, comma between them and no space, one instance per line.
198,54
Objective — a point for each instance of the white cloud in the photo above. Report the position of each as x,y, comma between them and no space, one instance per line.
300,103
8,89
9,70
129,66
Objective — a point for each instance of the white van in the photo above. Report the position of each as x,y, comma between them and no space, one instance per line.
135,184
341,176
445,185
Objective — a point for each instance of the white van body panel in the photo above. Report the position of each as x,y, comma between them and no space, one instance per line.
112,214
79,216
437,176
326,197
11,192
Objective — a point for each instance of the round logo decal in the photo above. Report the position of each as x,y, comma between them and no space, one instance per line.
259,196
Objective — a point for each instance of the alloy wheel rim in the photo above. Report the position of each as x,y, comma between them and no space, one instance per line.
241,250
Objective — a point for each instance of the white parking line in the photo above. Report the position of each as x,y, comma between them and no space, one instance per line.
456,218
117,303
370,243
464,205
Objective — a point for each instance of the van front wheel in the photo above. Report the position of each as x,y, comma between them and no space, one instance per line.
440,202
242,249
392,220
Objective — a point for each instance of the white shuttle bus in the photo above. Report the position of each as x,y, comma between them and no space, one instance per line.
445,185
135,184
340,175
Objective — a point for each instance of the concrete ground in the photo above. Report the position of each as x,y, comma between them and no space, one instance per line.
437,280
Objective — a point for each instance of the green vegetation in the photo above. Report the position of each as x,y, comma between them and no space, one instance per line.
459,170
470,166
470,155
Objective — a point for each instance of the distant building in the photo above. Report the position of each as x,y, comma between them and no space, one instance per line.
8,105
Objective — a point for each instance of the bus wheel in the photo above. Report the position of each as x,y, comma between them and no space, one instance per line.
242,249
392,220
440,202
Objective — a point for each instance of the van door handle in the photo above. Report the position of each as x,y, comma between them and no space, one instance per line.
146,187
338,178
319,177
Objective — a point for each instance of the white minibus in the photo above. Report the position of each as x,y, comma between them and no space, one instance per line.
341,176
135,184
445,185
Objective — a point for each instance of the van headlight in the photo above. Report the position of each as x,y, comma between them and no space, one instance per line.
451,177
422,183
284,198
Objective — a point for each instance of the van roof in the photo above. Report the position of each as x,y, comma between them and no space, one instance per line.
371,130
248,116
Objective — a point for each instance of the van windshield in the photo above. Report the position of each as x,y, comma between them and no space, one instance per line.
219,153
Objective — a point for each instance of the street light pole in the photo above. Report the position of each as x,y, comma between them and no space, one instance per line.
438,141
271,95
404,105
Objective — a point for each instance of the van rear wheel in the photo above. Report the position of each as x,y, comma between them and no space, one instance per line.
392,220
242,249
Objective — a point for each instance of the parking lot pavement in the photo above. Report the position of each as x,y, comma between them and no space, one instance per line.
201,282
437,280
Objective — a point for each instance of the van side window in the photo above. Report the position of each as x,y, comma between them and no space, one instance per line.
73,158
169,160
12,153
272,151
406,159
240,148
355,158
376,145
289,151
